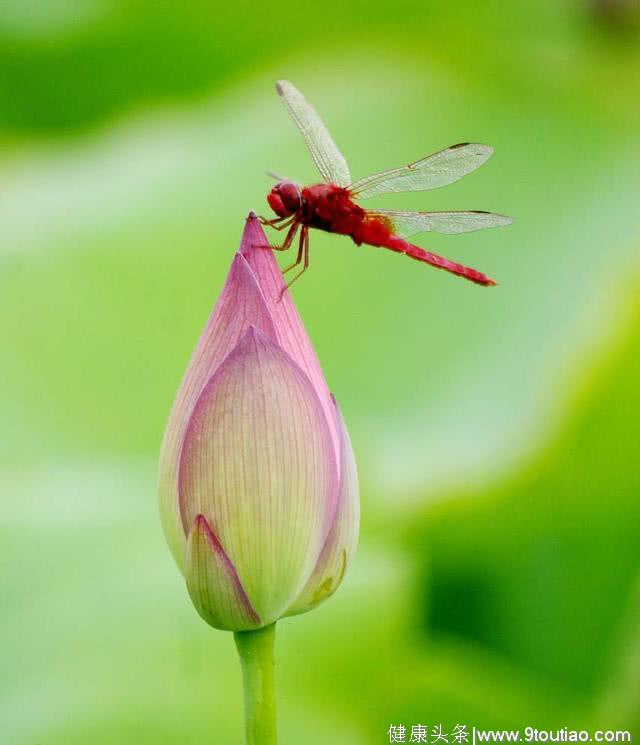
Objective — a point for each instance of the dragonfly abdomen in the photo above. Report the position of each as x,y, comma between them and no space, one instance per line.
375,232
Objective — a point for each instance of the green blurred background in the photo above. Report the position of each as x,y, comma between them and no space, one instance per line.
497,582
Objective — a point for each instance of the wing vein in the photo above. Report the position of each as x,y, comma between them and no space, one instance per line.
328,159
406,224
436,170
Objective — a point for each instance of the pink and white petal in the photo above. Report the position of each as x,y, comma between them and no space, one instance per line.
292,334
213,583
240,305
257,461
342,540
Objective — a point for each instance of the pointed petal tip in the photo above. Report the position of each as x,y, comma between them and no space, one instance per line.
252,236
241,271
252,335
239,262
213,581
201,524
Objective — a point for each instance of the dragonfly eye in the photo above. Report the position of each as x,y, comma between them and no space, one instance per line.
290,195
275,202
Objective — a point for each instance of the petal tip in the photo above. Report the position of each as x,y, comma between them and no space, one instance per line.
252,236
252,335
213,581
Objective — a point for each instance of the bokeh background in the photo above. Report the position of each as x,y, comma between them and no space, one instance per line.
497,582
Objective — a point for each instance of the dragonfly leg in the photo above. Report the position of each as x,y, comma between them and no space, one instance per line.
271,223
304,248
287,241
301,241
274,223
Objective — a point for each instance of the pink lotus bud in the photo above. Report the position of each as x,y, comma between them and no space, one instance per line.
258,485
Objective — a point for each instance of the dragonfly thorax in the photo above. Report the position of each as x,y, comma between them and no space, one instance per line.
285,198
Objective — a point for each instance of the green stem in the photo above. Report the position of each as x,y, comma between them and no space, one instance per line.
258,667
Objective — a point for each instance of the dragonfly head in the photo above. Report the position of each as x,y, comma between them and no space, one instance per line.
285,198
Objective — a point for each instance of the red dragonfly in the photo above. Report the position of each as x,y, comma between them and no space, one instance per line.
332,205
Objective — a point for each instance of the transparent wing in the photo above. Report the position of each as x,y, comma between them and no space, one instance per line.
435,170
324,151
406,224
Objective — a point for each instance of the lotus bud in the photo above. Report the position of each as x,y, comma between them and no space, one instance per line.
258,485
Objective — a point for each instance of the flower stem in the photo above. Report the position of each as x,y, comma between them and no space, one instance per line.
258,666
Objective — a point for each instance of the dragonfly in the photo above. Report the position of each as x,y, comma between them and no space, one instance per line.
332,205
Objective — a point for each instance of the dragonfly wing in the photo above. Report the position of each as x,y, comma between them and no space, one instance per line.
324,151
438,169
405,224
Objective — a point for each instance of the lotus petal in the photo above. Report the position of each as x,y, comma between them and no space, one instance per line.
258,463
